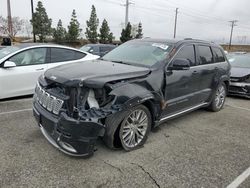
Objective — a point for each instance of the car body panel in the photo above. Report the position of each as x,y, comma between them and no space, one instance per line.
96,73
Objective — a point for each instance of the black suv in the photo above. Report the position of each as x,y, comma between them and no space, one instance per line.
132,89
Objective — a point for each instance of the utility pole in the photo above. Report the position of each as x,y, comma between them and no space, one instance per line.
32,12
126,15
10,29
231,35
175,24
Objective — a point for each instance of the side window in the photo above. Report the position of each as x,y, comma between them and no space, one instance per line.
30,57
218,55
60,55
187,52
95,50
205,55
104,49
79,55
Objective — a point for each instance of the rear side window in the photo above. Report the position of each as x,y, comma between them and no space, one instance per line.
187,52
218,55
205,55
61,55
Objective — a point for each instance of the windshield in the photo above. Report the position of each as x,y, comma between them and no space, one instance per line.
242,61
139,53
6,51
85,48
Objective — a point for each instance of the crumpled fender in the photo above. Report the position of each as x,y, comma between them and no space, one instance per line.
128,96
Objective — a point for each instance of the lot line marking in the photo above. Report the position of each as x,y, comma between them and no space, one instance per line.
238,107
16,111
240,179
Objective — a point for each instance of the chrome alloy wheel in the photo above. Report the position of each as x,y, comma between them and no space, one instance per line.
135,128
220,97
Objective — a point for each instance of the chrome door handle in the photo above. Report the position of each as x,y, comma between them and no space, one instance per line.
40,69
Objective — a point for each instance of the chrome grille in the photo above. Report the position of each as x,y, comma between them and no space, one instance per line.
48,101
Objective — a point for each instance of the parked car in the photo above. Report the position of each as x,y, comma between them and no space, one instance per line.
135,87
240,74
21,65
98,49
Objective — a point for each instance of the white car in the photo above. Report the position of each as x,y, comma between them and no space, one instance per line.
21,65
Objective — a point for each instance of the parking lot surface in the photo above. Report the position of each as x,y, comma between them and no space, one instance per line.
200,149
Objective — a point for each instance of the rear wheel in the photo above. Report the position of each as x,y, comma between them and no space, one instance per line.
219,98
135,128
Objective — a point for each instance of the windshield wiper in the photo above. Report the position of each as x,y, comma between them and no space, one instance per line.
121,62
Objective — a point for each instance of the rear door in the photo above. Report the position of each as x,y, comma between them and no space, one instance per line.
182,86
21,80
208,71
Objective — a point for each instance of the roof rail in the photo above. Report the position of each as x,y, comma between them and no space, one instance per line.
188,39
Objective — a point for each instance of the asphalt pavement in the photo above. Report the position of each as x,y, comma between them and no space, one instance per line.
200,149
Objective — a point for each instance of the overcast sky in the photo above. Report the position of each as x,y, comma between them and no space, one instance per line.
197,19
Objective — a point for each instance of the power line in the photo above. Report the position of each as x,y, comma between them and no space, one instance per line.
175,23
32,12
10,29
231,34
127,9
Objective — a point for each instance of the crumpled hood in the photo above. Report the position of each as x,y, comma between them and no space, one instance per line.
95,73
238,72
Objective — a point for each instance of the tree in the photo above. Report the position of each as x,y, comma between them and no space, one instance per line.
92,25
105,35
59,32
74,30
139,34
111,37
126,33
17,26
41,22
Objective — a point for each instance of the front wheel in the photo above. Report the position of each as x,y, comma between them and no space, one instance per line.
135,128
219,98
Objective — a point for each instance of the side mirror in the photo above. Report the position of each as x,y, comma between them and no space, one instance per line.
9,64
179,64
91,50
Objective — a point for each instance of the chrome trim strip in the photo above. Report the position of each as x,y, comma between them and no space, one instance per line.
182,112
239,84
51,141
46,135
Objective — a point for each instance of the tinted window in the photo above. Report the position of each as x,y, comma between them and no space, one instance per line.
218,55
104,49
205,55
60,55
187,52
30,57
79,55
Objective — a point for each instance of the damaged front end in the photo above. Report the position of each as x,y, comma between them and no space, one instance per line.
72,118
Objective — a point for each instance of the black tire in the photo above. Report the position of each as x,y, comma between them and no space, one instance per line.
216,105
139,128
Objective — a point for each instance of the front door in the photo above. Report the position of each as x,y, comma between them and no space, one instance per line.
182,86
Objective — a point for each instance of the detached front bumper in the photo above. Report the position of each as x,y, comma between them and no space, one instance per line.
73,137
239,89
